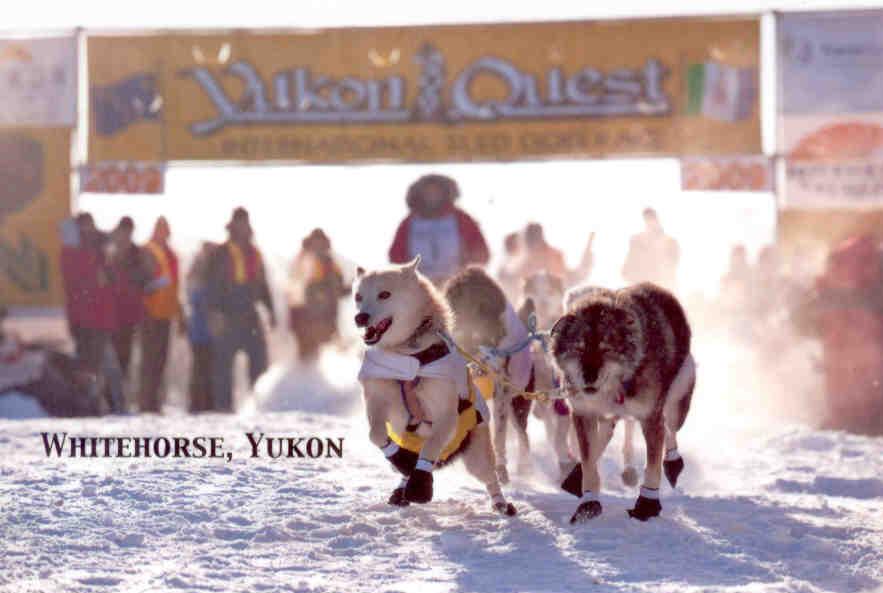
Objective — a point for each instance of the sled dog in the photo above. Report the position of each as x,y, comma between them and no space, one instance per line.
485,320
625,354
422,408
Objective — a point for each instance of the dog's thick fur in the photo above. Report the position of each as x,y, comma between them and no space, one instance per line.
479,306
626,354
412,311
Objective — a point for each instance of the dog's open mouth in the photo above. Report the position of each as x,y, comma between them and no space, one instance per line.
373,333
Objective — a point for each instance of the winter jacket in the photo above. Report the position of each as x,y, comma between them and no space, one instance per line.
130,277
197,327
161,301
446,243
236,281
89,295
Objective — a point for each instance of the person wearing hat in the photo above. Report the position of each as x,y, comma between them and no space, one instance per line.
236,282
161,307
315,288
446,238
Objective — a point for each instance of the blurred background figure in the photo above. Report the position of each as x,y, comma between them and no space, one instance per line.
846,314
130,274
538,256
162,307
736,285
507,273
198,334
90,304
446,238
315,287
653,256
236,282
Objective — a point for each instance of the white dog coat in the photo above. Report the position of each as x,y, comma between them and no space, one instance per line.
382,364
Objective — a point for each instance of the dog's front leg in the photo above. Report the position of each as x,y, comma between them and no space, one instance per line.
648,504
419,486
501,422
585,481
377,410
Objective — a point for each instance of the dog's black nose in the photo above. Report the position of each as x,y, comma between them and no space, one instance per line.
362,319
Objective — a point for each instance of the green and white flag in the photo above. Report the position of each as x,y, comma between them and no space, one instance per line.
720,92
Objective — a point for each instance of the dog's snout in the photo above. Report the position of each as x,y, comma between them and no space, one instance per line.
362,319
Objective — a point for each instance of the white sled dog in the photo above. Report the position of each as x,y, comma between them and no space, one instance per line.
423,410
625,354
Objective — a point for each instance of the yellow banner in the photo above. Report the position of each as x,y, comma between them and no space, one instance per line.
422,94
34,199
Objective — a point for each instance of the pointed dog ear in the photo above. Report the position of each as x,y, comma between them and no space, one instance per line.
360,271
412,265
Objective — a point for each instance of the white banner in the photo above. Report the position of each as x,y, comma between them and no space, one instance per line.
741,173
830,69
38,81
827,184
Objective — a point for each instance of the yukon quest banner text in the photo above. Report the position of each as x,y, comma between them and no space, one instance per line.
420,94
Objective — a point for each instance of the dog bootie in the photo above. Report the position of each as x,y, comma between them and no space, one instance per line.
573,483
397,498
419,486
647,505
630,476
673,466
589,508
503,507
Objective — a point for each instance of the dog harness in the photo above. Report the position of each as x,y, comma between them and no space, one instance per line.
437,362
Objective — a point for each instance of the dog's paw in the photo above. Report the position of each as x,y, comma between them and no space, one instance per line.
419,487
673,469
630,476
586,511
645,508
397,498
505,508
502,474
573,483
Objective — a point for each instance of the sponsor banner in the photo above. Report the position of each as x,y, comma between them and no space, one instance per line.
38,81
34,199
447,93
123,178
742,173
830,67
833,184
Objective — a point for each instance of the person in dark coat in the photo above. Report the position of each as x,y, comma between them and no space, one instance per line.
236,282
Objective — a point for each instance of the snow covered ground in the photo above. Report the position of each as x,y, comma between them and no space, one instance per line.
763,507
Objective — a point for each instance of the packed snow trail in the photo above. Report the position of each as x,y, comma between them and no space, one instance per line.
761,508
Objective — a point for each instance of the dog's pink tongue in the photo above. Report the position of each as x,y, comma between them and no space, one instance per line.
369,332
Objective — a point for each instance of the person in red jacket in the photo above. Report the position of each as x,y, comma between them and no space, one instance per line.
90,302
446,238
130,275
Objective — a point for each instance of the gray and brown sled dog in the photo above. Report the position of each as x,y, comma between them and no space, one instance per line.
416,390
625,354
